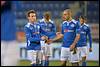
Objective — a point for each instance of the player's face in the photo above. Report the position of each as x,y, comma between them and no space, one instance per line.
81,20
47,18
66,15
32,17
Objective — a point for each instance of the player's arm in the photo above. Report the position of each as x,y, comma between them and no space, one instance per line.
77,37
29,36
90,38
75,41
59,35
43,37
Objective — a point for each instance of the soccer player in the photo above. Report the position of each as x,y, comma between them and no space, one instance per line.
9,44
49,30
82,43
33,37
70,33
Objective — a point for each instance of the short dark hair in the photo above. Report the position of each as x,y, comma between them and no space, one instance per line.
30,11
68,9
47,14
83,17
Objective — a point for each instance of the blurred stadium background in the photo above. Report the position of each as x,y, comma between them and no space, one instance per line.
87,8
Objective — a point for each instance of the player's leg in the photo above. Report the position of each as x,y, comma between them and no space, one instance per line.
43,51
64,55
3,51
84,61
63,63
75,64
32,57
43,60
47,54
84,54
46,61
74,57
39,58
12,54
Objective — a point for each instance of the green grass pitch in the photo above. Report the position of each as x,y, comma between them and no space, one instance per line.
56,63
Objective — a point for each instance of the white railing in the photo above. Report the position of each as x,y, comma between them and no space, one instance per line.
56,52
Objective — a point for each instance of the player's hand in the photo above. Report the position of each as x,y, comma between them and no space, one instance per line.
90,49
49,41
44,38
58,33
72,46
43,47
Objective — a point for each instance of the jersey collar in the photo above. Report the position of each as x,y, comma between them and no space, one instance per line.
44,20
31,23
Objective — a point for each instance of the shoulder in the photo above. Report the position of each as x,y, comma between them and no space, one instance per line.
51,21
86,26
74,21
38,25
64,22
27,25
42,20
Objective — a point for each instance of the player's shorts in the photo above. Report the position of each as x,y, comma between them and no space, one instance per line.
9,53
82,51
66,54
46,49
34,56
74,56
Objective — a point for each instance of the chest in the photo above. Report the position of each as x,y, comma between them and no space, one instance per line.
34,28
83,29
46,25
69,26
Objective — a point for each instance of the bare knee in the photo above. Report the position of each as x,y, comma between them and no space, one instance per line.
63,63
46,57
84,58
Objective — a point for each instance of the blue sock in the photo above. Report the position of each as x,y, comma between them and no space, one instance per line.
45,63
39,64
33,64
84,63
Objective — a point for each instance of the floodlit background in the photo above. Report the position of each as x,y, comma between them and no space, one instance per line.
87,8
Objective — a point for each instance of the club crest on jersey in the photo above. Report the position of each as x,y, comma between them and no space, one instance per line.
72,25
